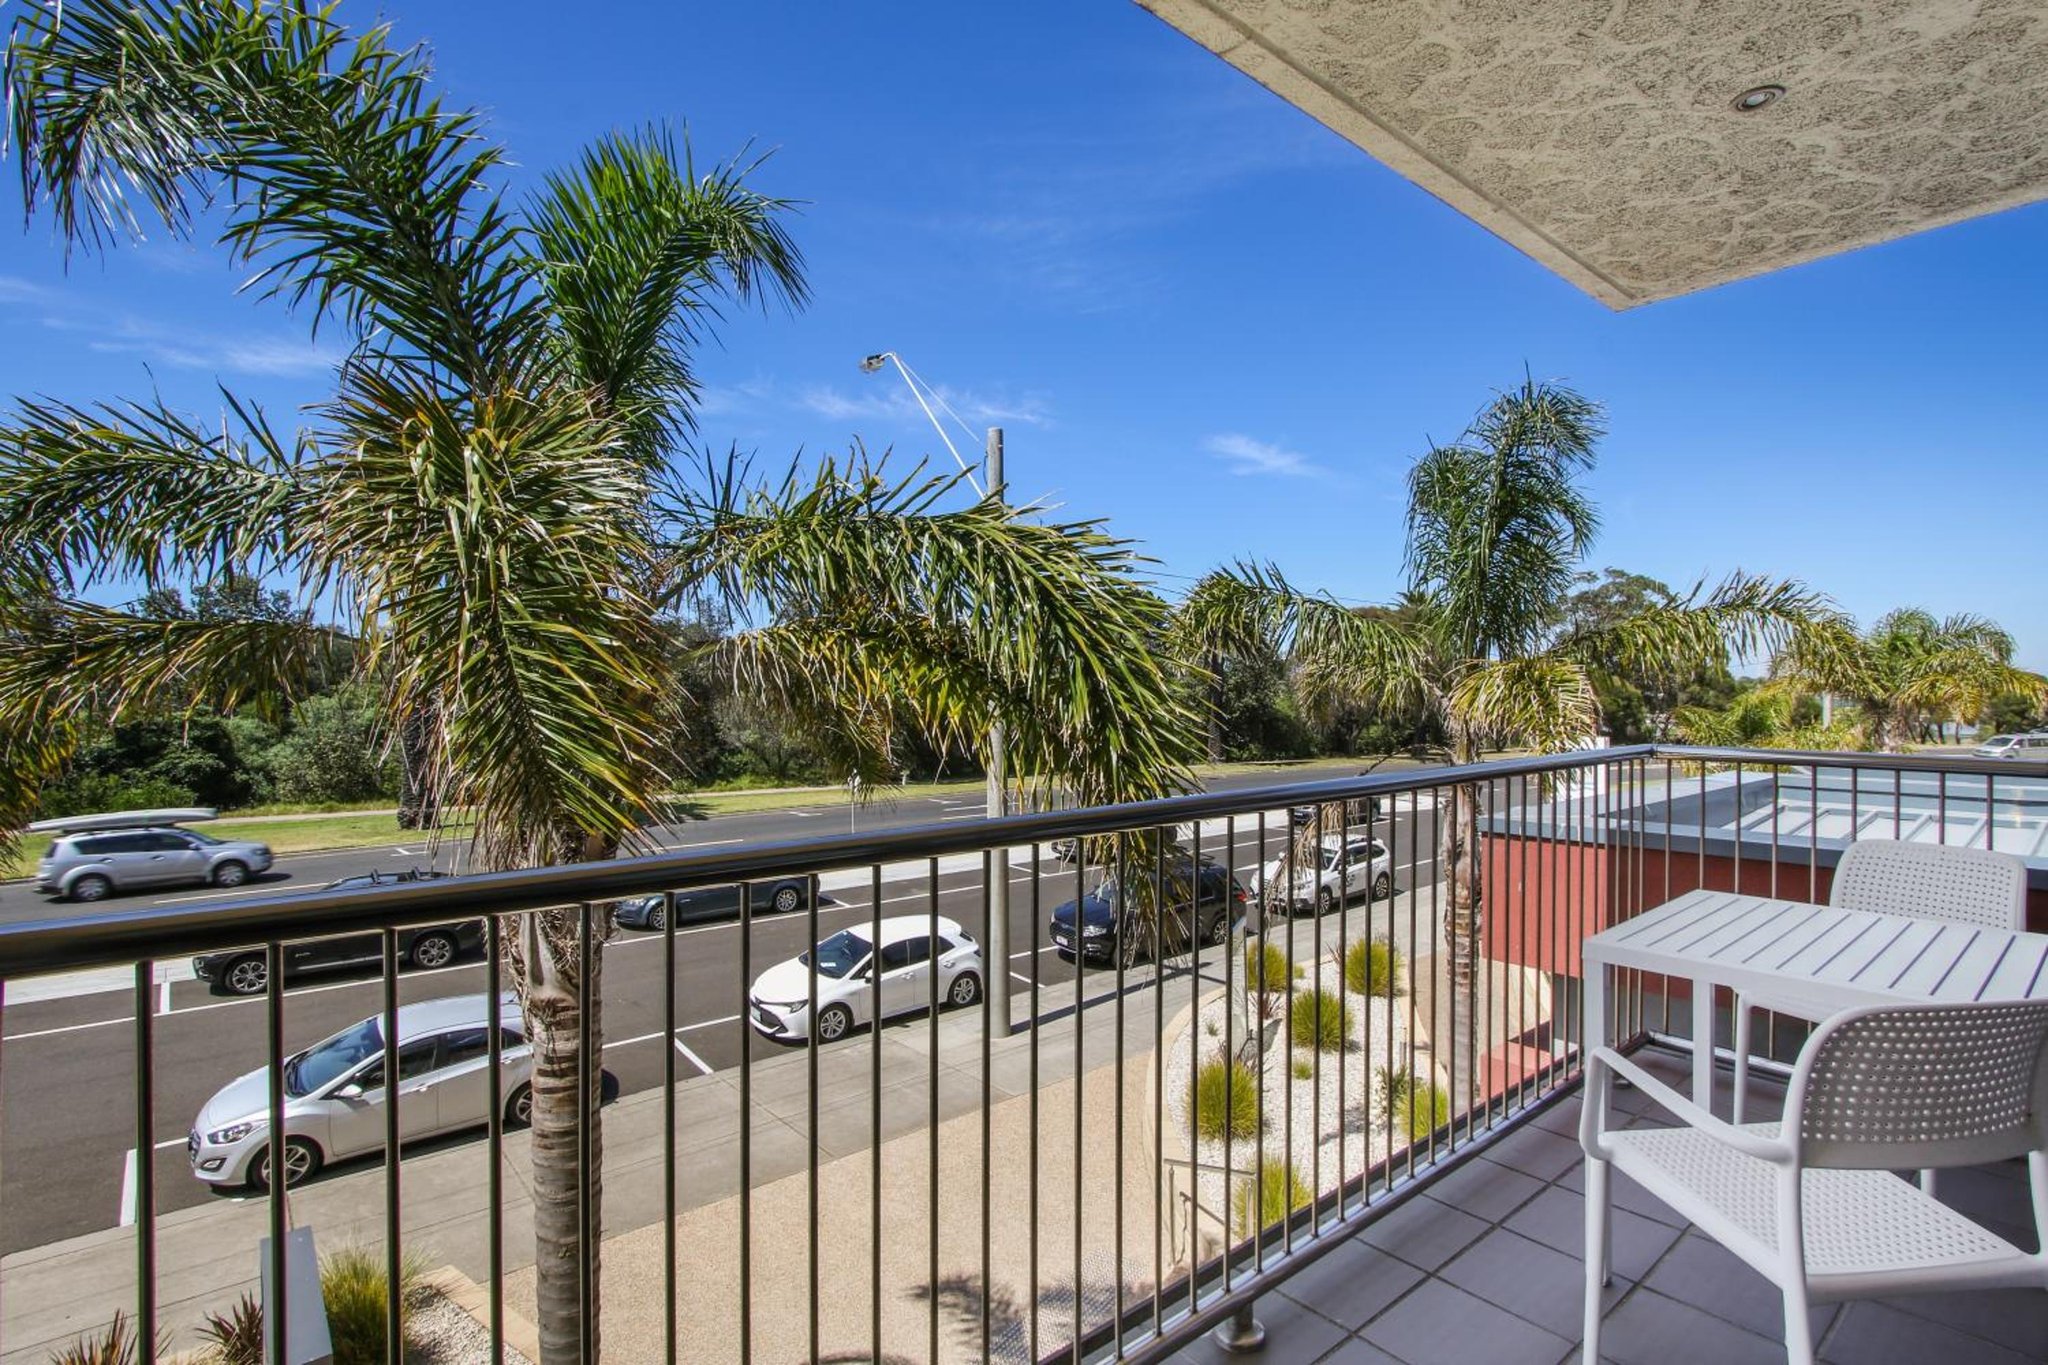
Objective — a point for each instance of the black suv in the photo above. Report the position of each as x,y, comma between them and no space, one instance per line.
245,971
1109,931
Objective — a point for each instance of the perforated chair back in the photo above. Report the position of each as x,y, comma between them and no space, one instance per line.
1899,1087
1932,881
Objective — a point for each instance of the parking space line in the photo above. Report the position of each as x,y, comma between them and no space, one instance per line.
1019,976
170,1142
221,895
692,1057
67,1028
127,1190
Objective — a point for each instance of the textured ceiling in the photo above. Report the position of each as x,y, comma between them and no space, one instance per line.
1599,137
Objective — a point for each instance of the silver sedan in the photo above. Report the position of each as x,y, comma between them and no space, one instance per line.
335,1092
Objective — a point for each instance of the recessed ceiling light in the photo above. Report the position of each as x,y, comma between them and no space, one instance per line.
1749,101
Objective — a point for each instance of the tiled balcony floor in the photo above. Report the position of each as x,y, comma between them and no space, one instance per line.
1485,1269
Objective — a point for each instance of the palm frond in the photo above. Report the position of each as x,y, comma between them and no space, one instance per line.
1545,700
514,614
348,185
633,249
968,617
1339,653
1497,522
134,491
1745,616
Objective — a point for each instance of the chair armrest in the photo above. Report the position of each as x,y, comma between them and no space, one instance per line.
1592,1120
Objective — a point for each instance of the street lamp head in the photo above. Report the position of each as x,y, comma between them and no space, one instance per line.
874,362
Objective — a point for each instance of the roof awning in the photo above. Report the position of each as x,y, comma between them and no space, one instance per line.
1647,148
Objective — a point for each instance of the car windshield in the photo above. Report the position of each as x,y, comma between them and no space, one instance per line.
202,838
320,1064
838,955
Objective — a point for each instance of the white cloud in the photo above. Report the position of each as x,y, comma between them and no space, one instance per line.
266,355
889,401
1245,455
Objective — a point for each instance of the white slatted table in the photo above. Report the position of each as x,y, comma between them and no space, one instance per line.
1832,957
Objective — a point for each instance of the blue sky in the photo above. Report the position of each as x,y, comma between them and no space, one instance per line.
1196,312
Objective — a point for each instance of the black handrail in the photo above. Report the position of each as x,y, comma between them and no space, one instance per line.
74,942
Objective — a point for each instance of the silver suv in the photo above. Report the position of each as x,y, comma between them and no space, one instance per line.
90,866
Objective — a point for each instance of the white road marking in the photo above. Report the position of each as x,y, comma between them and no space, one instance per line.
1019,976
163,996
127,1190
221,895
170,1142
966,815
804,814
693,1058
708,843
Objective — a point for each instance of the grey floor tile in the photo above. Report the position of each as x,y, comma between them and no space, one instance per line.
1352,1284
1561,1118
1358,1352
1424,1233
1530,1280
1292,1333
1486,1190
1538,1152
1557,1218
2014,1318
1877,1334
1649,1329
1440,1324
1701,1272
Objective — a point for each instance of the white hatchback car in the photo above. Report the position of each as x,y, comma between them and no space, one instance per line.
846,964
334,1092
1357,866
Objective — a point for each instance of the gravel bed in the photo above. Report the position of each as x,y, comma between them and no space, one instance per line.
1345,1130
439,1333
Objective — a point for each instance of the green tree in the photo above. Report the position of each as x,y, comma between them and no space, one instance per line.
1772,716
1909,670
489,502
334,749
1497,525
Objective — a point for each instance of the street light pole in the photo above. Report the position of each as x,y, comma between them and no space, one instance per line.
998,927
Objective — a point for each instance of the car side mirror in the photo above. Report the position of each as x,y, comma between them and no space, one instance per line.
351,1091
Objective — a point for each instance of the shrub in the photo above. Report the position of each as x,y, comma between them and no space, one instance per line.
1303,1069
236,1336
1373,967
352,1287
91,793
1225,1096
1322,1019
1420,1107
1280,1190
114,1346
1271,960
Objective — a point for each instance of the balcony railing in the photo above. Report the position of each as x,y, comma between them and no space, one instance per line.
1086,1176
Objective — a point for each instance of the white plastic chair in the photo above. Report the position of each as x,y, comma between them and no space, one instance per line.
1812,1205
1919,881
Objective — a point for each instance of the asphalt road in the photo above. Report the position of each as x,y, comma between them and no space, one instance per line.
67,1070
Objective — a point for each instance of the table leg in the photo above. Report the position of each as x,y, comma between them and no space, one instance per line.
1703,1044
1593,1026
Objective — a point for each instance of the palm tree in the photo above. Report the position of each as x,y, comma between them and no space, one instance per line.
489,507
1909,669
1497,525
1765,717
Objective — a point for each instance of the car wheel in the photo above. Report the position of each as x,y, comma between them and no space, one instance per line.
1326,901
834,1023
1219,930
230,874
657,918
247,975
1383,885
966,990
93,888
519,1107
301,1163
433,950
787,899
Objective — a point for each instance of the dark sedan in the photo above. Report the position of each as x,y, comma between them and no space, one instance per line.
245,971
1110,931
781,895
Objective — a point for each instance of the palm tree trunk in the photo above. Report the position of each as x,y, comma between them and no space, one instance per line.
418,803
1457,833
566,1180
